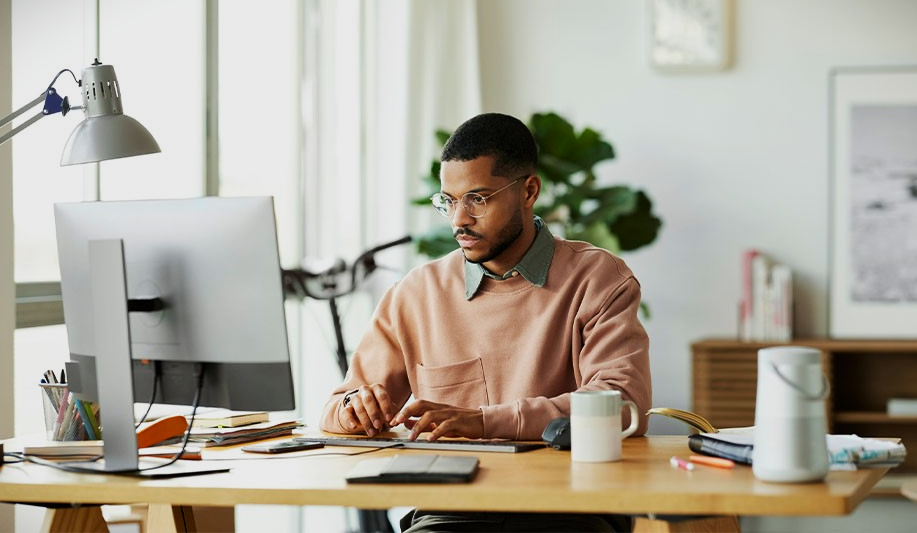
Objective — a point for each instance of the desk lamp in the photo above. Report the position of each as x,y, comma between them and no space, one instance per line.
106,133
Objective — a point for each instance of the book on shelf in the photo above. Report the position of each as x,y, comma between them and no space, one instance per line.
745,304
902,407
225,418
766,305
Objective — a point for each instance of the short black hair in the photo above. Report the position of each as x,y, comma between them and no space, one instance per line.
505,138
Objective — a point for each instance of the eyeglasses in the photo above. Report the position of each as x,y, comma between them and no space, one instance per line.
474,204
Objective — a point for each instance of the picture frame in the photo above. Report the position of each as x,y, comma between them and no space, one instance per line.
873,202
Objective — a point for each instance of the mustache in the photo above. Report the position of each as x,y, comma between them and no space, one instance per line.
466,231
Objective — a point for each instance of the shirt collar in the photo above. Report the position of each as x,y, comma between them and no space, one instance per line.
533,266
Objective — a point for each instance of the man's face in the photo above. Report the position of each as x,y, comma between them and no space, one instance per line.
489,239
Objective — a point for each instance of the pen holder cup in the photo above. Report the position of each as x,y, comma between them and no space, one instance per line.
66,417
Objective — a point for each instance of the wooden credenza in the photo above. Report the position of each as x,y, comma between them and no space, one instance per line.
863,375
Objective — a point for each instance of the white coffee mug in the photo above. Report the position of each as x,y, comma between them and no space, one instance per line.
595,425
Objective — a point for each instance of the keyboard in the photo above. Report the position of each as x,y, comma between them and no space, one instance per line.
462,445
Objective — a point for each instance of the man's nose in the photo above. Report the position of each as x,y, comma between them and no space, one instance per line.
460,217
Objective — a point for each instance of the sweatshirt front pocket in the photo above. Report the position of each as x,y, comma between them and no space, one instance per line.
459,384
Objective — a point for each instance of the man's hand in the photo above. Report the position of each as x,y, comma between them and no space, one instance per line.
441,420
368,407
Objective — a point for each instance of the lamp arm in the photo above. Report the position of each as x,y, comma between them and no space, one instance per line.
7,119
53,104
12,133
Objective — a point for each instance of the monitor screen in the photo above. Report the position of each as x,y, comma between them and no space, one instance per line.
202,280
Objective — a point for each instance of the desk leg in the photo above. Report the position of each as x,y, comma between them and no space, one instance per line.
687,524
162,517
85,518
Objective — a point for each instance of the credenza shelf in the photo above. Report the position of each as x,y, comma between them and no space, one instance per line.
863,375
871,417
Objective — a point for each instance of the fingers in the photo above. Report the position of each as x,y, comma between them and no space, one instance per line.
440,420
416,416
415,408
370,409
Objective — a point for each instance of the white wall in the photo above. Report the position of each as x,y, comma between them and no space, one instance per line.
732,160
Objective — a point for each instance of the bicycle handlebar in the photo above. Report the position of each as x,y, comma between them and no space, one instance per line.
295,280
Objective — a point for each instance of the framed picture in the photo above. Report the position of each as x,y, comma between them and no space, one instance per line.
873,225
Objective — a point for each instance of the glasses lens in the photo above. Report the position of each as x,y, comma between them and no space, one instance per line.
474,204
442,203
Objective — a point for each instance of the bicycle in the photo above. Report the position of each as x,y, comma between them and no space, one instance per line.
330,282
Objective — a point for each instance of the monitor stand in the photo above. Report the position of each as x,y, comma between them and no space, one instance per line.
149,468
114,371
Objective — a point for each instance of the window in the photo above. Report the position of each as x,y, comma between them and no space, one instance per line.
271,63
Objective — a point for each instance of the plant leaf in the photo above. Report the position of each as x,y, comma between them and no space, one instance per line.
442,136
597,234
553,134
638,228
436,242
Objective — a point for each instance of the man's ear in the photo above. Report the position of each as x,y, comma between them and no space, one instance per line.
531,189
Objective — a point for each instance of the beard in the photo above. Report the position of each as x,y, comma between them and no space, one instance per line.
505,238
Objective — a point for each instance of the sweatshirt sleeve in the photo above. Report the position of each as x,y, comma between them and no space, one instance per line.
614,355
377,359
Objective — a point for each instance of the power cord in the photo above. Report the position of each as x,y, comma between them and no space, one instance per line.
157,377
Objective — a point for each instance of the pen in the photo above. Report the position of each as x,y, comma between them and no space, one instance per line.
718,462
677,462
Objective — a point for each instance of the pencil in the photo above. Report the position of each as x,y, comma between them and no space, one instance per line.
84,416
718,462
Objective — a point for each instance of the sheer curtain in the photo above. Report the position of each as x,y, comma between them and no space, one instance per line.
380,79
376,103
426,76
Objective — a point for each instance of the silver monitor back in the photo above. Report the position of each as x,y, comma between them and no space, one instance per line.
213,261
189,290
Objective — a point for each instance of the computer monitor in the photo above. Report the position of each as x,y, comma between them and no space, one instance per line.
180,286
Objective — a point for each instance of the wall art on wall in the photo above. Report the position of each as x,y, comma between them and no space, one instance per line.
873,224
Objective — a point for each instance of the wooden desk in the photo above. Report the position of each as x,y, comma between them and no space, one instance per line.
545,480
909,490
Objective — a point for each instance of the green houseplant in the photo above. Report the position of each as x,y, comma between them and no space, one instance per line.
617,217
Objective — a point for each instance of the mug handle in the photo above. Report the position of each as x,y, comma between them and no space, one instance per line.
634,419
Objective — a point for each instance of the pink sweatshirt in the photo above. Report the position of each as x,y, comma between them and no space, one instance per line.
515,350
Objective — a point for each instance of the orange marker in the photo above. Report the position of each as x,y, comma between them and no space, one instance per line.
711,461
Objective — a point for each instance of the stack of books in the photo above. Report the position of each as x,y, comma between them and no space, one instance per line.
737,444
766,307
226,436
224,418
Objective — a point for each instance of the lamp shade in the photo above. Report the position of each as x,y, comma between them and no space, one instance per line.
106,133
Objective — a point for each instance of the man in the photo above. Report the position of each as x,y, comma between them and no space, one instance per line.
491,339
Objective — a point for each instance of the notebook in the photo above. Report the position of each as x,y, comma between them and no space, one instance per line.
415,469
464,445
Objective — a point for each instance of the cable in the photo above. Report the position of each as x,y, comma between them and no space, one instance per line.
58,76
14,455
157,376
184,444
311,455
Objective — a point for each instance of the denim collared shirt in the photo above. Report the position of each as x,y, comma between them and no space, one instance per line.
533,266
